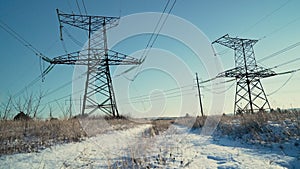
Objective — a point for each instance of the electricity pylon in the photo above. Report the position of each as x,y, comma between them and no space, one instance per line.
250,95
98,91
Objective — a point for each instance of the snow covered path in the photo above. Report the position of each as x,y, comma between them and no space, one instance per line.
95,152
178,148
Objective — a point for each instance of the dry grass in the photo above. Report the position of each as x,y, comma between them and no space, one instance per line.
137,158
262,128
158,126
31,136
35,135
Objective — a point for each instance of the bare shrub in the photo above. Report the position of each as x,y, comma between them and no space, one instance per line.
6,109
29,103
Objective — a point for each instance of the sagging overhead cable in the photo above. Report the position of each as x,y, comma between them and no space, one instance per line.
152,39
290,47
21,40
29,46
285,83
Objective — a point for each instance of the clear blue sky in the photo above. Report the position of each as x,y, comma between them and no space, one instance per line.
36,21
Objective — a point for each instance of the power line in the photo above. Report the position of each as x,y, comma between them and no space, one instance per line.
165,91
285,83
27,86
168,97
285,63
170,92
260,20
29,46
84,7
182,87
151,42
120,7
157,34
219,83
33,82
53,91
280,51
63,97
78,7
288,72
208,80
41,76
266,35
64,46
156,26
175,90
75,41
219,92
164,94
280,28
65,84
226,81
20,39
266,16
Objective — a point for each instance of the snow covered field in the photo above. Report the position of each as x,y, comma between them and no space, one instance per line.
185,149
178,148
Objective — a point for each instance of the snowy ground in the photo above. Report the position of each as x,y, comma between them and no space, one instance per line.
94,152
178,148
185,149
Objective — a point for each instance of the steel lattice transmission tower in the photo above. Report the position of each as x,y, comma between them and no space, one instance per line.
250,95
98,91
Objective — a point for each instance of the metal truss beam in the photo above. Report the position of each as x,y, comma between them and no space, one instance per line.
86,22
96,55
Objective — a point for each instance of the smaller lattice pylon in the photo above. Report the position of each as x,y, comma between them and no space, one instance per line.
250,95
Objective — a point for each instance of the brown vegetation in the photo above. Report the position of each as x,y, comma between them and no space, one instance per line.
21,136
262,127
159,126
31,136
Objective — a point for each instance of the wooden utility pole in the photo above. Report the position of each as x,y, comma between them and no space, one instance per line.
199,93
70,108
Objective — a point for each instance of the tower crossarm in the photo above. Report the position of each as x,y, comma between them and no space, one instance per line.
262,72
235,72
234,43
97,55
117,58
238,72
86,22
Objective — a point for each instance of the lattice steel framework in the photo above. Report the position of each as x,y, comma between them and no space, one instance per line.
98,92
250,95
